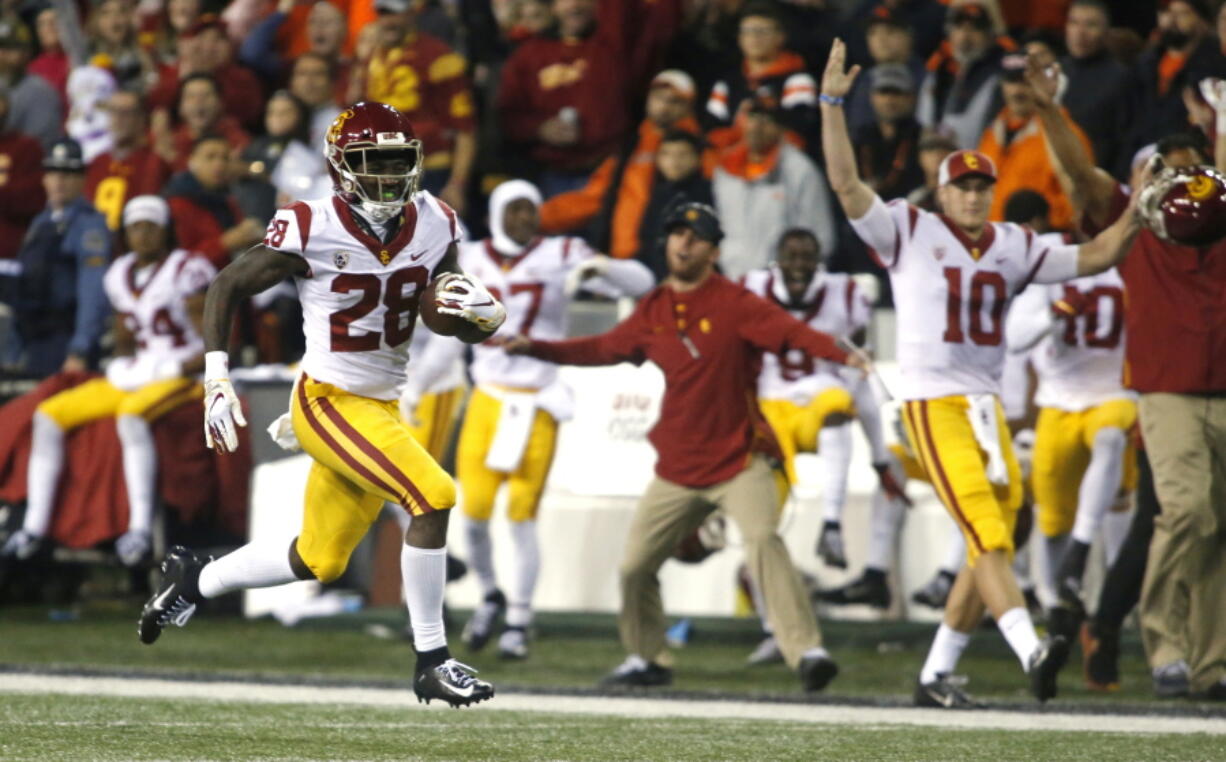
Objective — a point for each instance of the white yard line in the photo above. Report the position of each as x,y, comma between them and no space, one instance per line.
641,708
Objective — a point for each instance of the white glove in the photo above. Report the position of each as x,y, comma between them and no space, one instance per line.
1214,92
282,432
585,270
221,407
21,545
132,546
464,296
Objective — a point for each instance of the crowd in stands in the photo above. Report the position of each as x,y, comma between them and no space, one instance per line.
614,108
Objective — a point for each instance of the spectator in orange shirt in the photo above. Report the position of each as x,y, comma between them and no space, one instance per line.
428,82
617,194
131,168
1014,141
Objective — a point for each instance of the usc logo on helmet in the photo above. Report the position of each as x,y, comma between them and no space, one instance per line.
338,124
970,160
1201,187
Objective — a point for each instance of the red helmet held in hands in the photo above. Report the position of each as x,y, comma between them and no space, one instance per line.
374,158
1186,205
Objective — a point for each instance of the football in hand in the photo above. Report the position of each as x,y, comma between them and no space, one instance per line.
444,324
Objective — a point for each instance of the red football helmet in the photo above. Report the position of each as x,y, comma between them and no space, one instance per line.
374,158
1186,205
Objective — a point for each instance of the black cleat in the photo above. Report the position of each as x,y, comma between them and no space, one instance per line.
451,682
870,590
936,592
1100,649
637,672
481,624
942,693
1045,665
175,600
830,545
1064,621
816,672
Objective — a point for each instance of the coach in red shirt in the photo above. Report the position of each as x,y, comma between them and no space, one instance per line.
714,449
1176,359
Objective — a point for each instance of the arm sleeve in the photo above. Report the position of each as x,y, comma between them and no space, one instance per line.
1054,264
92,305
259,49
625,277
868,411
289,230
882,228
1029,319
622,344
573,209
770,328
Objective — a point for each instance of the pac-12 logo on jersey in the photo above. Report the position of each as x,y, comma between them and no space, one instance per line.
938,252
340,259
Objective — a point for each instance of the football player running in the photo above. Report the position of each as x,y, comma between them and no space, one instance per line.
953,276
510,427
361,259
158,297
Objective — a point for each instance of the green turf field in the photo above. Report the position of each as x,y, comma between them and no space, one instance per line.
70,728
879,662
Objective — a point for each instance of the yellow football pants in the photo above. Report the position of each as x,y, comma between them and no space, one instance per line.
435,419
1062,446
946,446
364,455
97,399
796,427
479,484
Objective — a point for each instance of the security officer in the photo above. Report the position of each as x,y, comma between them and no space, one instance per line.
61,308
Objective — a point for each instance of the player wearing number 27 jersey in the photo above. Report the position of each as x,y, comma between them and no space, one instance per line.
361,259
953,275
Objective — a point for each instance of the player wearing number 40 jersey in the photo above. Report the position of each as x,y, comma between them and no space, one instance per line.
361,260
510,427
158,298
954,275
1075,334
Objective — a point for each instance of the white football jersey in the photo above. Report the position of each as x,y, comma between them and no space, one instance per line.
359,296
531,287
951,293
1080,363
154,304
833,305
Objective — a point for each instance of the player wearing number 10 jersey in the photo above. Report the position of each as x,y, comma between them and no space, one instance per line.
361,260
953,276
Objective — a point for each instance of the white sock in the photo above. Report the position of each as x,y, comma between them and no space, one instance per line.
943,654
527,567
481,554
43,474
1018,630
885,521
817,652
1050,551
253,565
834,442
1100,483
425,577
140,462
955,551
1115,530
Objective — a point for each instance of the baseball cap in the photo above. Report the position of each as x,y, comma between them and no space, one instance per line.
392,6
680,82
893,77
970,13
1013,67
64,156
766,104
700,218
14,34
960,164
147,208
885,15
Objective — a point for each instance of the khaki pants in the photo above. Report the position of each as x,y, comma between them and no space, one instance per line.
668,513
1183,598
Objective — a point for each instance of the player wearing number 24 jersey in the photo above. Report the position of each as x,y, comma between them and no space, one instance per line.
953,276
361,260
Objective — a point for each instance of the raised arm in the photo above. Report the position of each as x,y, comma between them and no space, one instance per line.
1091,186
855,197
1109,247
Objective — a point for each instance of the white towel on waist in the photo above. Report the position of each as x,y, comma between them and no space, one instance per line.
514,429
984,423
